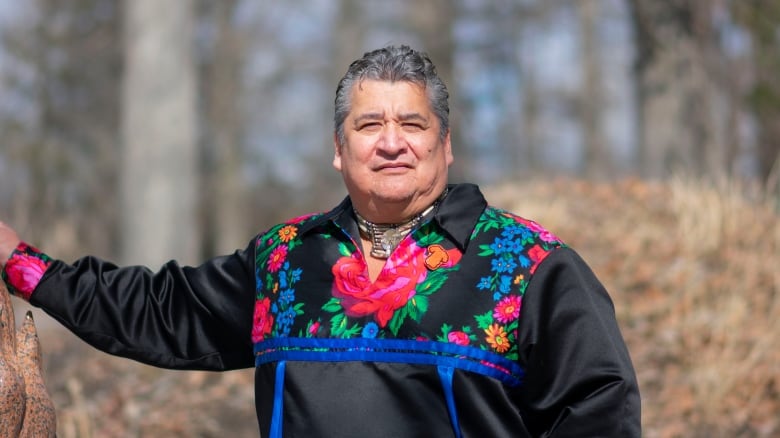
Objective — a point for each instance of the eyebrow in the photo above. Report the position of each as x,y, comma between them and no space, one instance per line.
378,116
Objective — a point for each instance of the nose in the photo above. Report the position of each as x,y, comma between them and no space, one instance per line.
392,140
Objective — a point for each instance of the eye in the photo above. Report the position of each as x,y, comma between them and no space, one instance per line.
369,126
413,127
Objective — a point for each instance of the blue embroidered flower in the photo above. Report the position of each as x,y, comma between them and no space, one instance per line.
370,330
500,246
285,320
524,261
503,265
485,283
286,296
515,246
505,284
295,275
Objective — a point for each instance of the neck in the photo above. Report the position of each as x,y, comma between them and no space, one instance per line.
385,237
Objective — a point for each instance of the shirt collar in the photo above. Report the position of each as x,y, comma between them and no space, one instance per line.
457,214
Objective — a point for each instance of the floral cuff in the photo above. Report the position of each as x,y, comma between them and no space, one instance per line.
24,270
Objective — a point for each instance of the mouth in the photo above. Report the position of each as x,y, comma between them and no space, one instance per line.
393,167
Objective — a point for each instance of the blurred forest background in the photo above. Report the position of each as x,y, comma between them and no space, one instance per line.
646,133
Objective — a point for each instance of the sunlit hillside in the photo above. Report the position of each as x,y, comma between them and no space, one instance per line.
692,269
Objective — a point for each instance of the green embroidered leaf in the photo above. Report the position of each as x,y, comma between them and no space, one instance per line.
293,244
338,324
433,282
352,331
420,303
344,250
484,320
426,237
397,320
411,309
269,282
485,250
298,309
333,305
446,329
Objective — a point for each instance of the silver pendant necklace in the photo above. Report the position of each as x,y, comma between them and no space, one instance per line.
386,237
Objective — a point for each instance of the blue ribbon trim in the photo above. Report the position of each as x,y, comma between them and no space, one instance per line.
390,350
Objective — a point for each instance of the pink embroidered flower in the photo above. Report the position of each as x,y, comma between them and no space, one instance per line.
263,321
277,258
537,254
314,328
457,337
544,235
394,287
508,309
24,269
301,218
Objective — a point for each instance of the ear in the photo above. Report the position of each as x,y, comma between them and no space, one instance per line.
336,152
448,149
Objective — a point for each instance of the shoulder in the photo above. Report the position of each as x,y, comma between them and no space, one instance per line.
510,225
288,230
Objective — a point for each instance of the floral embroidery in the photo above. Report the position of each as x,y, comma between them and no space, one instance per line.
400,291
288,233
370,330
508,309
277,258
520,247
459,337
506,247
276,316
24,270
264,321
497,338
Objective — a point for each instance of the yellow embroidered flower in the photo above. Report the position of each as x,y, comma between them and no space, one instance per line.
288,233
518,279
497,338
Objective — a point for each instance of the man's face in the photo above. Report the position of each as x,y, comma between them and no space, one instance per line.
393,158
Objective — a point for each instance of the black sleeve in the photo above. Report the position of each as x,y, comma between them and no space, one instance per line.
179,317
579,380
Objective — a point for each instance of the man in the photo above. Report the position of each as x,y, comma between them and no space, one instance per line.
411,309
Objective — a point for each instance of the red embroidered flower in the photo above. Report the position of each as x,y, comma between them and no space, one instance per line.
394,287
457,337
537,254
508,309
277,258
24,270
264,320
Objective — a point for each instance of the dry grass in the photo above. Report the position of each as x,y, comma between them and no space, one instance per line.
692,268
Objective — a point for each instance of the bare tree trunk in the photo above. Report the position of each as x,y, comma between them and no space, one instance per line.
158,131
596,160
681,123
760,18
225,204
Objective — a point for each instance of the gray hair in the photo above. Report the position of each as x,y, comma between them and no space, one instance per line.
392,64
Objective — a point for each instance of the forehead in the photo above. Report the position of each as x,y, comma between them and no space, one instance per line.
381,96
